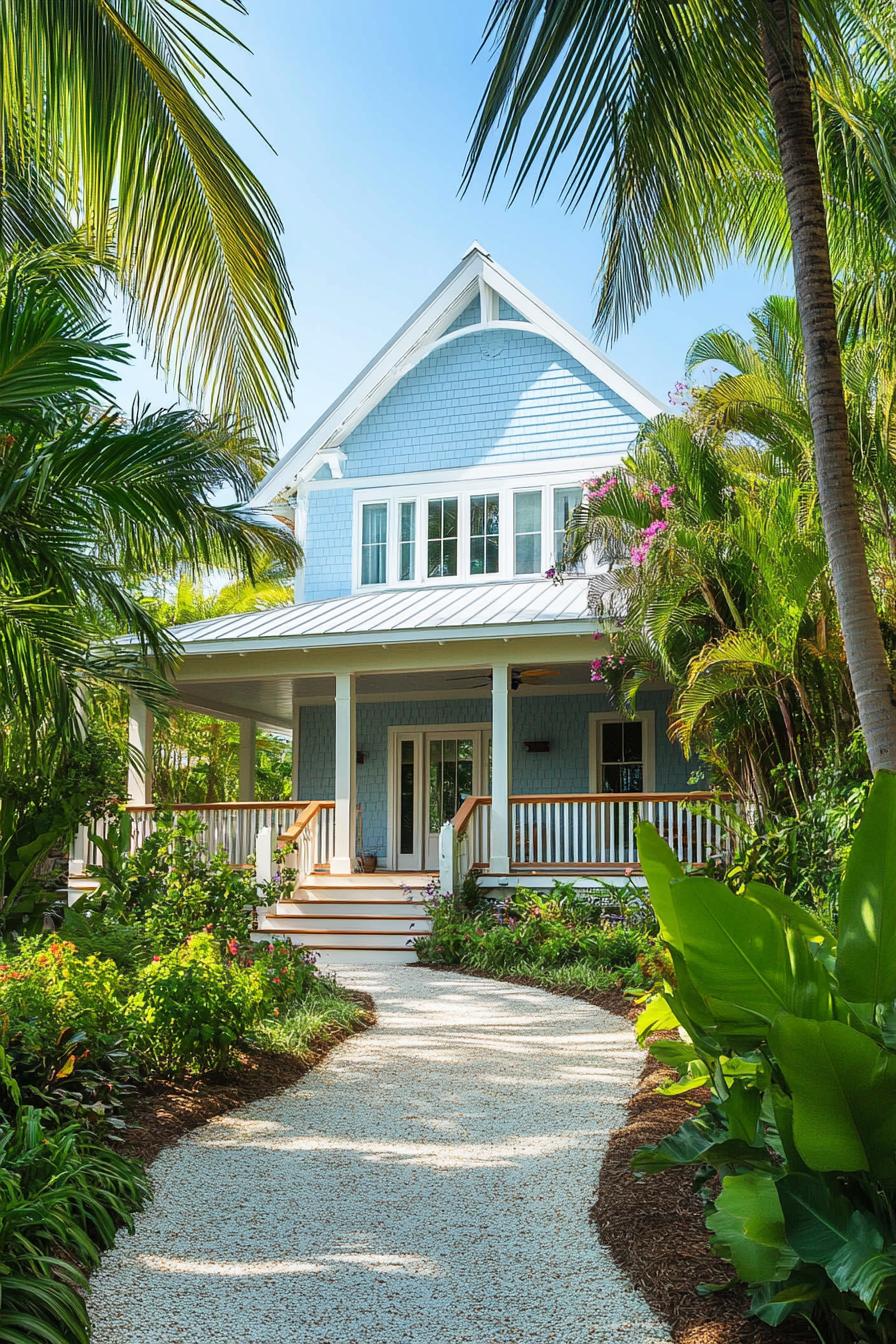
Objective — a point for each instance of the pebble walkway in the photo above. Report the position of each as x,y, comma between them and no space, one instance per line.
429,1183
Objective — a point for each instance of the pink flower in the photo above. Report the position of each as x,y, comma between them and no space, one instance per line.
233,947
551,572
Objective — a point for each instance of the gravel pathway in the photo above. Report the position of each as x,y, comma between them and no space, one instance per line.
429,1183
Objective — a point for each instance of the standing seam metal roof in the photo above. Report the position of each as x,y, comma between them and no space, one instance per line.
535,601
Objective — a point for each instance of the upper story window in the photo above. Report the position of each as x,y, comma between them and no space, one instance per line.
374,528
441,538
527,529
407,540
566,500
485,530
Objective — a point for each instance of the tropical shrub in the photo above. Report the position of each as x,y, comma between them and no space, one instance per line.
62,1032
794,1032
191,1007
535,933
172,886
285,972
62,1197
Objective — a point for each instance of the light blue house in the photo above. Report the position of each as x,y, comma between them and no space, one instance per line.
436,685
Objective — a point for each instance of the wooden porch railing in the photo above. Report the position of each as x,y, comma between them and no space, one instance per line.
233,827
581,831
310,838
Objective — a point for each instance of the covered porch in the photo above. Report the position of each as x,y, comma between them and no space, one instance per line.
434,732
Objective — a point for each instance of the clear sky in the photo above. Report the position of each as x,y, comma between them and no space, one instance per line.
368,104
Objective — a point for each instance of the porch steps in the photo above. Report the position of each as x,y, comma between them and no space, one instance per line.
365,918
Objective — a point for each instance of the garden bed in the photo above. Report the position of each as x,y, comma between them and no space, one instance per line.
161,1113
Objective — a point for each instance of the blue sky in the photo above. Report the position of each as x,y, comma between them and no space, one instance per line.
368,105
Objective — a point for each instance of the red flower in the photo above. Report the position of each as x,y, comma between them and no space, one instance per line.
233,947
157,958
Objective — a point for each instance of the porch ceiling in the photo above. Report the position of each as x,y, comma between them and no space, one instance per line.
269,700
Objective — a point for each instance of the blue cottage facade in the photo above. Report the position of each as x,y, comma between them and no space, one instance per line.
435,683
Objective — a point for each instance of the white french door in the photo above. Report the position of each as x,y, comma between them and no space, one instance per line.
434,770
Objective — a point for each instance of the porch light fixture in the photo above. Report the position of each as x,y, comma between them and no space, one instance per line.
537,746
360,757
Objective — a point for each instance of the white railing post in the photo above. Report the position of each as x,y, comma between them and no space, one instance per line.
449,874
265,848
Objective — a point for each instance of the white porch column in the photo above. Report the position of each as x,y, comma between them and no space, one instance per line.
343,860
247,760
501,768
296,741
140,746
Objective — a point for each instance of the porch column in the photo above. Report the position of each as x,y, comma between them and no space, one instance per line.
501,768
140,752
343,860
247,760
296,741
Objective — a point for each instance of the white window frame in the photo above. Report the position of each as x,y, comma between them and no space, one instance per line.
484,495
564,489
647,719
467,484
415,575
371,504
543,491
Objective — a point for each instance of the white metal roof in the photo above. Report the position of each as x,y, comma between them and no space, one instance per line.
406,615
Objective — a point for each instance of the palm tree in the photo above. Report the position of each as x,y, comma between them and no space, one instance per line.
92,503
664,110
108,121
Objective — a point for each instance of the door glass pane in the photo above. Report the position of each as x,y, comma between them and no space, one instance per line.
441,533
407,540
450,778
406,792
484,526
527,532
373,543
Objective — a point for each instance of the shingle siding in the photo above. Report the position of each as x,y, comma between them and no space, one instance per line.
562,720
494,397
328,545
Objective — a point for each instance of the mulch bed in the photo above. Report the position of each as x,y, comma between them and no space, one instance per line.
653,1226
161,1113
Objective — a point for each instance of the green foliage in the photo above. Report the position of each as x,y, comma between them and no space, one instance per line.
191,1007
62,1033
792,1030
540,934
324,1011
62,1197
171,886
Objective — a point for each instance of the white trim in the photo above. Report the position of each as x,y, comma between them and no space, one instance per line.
571,471
415,340
386,638
647,718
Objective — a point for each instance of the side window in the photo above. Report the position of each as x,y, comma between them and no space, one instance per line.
441,538
527,532
566,500
484,530
374,524
407,540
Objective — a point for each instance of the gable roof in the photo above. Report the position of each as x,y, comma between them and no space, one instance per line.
475,279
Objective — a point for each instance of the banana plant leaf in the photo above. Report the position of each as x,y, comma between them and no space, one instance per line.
748,1228
866,951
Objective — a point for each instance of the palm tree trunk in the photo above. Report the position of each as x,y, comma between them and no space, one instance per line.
789,89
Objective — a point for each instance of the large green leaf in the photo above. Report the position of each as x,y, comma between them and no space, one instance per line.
794,915
700,1141
843,1086
661,868
866,953
743,959
748,1228
824,1229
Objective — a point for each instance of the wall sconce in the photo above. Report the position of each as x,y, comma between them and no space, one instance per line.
537,746
360,757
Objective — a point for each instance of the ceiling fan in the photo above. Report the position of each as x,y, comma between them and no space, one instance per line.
518,677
